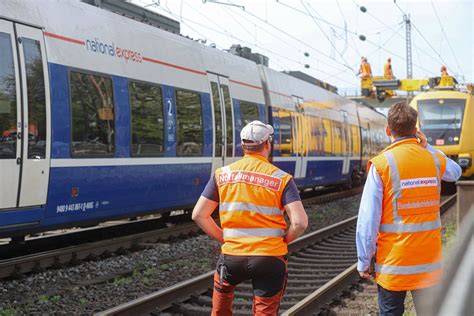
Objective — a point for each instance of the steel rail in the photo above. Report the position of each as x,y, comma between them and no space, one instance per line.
29,263
159,301
316,300
164,299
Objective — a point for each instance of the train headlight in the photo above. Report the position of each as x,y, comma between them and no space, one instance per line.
464,162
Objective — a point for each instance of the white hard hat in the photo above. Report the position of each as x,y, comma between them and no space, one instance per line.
255,133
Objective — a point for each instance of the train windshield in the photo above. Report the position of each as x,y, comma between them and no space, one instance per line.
441,119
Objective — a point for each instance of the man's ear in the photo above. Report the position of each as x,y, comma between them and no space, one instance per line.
388,131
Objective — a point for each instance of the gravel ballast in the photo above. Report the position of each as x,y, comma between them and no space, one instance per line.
97,285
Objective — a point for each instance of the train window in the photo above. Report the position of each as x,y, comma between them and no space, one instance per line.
315,143
248,112
228,120
93,125
365,142
8,105
217,119
327,133
189,123
355,140
347,139
286,133
36,99
147,128
337,138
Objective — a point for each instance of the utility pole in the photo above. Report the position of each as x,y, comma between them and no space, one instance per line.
406,19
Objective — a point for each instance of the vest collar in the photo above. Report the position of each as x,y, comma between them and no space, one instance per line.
257,156
402,141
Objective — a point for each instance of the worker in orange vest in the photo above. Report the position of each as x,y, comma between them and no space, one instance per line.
444,71
253,196
399,221
365,70
387,69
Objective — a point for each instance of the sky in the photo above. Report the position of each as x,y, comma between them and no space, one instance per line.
322,37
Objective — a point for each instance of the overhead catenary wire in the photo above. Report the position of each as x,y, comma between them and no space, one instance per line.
225,33
294,38
447,38
422,35
325,35
279,38
367,40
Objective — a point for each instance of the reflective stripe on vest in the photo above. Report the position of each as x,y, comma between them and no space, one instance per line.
420,268
253,232
398,226
410,228
242,206
436,160
252,217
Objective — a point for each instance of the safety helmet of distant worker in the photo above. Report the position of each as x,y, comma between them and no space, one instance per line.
444,71
255,133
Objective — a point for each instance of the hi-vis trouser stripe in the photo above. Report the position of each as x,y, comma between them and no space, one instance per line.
398,226
242,206
253,232
420,268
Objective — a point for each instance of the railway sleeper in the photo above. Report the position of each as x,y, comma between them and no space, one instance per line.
331,249
315,270
321,255
322,260
314,266
309,252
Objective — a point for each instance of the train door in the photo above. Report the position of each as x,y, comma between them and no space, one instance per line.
223,118
346,144
24,117
301,140
10,118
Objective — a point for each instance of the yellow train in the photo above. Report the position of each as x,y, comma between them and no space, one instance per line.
447,119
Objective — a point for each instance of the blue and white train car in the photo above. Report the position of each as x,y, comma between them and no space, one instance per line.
104,117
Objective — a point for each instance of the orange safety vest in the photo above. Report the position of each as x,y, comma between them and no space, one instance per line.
365,70
409,241
250,209
387,71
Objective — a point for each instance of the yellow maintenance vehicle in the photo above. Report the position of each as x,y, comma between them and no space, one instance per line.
445,113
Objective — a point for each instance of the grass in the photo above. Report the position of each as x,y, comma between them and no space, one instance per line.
8,311
123,280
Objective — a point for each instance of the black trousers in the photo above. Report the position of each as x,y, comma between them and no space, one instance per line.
268,274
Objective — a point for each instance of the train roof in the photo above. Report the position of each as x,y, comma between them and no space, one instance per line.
82,36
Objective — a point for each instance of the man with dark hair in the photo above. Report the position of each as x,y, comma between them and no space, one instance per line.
399,219
253,196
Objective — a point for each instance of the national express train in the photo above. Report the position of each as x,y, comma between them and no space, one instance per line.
103,117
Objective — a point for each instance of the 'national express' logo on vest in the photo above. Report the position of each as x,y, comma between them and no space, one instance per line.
109,49
418,182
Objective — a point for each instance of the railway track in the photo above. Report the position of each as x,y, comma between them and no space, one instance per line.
321,266
71,248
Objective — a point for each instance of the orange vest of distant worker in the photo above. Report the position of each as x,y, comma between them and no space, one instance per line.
387,71
250,209
365,70
409,242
